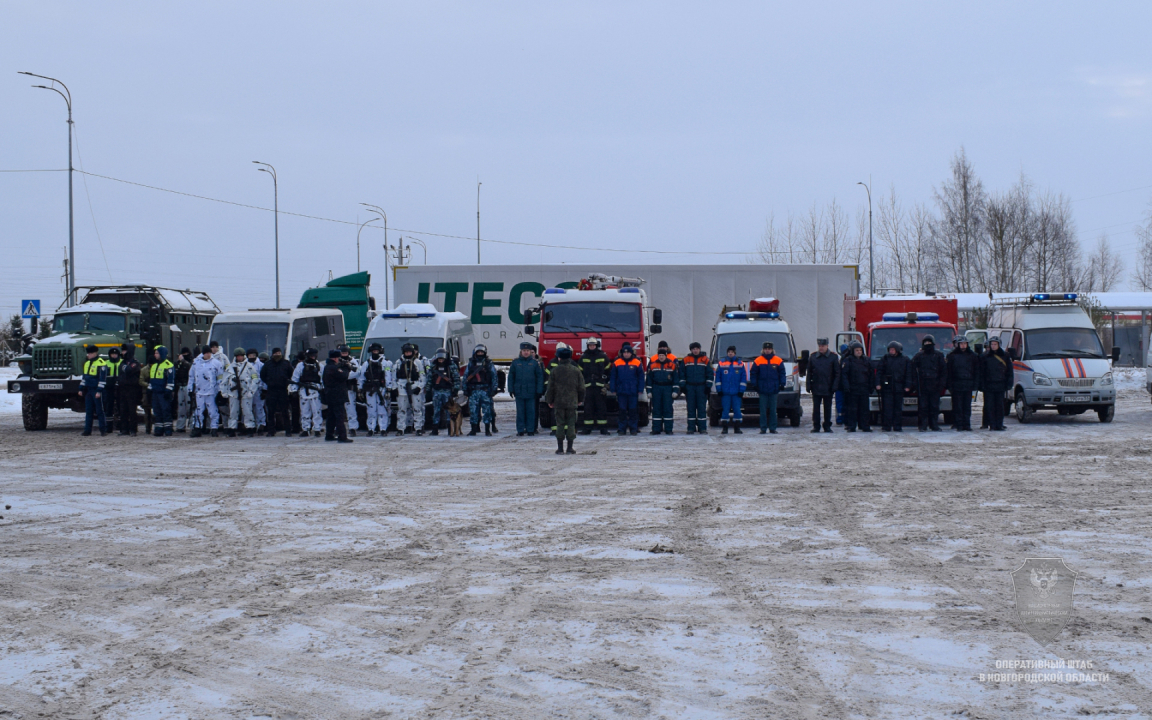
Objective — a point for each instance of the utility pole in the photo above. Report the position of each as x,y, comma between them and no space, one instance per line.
275,219
380,211
478,184
372,220
67,95
871,266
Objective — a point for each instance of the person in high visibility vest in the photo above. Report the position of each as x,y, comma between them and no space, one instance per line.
161,383
92,390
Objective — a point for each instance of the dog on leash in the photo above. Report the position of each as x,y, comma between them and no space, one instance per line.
455,417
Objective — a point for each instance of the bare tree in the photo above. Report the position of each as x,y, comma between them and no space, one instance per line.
1142,273
961,202
778,244
1007,238
1104,268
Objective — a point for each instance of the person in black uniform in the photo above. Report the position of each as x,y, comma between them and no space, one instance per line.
277,375
823,381
594,364
994,380
336,373
128,386
856,379
893,379
963,370
931,379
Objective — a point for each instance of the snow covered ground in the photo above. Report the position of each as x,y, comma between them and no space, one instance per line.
805,575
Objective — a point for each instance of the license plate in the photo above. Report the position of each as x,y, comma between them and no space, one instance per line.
910,401
1077,398
51,386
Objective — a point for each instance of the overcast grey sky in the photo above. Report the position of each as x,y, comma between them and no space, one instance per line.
652,125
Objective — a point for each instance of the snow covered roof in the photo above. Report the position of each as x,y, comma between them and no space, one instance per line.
978,301
96,307
176,300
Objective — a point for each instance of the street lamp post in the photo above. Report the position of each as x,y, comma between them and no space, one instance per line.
67,95
871,266
366,222
380,211
265,167
420,242
478,184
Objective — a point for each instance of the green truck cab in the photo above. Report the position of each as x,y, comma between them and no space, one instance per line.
349,295
108,316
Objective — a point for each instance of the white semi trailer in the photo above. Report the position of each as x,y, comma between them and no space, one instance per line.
495,297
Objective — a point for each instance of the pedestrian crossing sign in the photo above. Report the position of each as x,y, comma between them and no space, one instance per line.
31,308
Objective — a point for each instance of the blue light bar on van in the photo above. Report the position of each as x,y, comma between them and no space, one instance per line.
1070,296
1041,296
629,290
406,315
751,315
555,291
911,317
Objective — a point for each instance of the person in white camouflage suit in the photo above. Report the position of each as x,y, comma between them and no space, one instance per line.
239,384
409,374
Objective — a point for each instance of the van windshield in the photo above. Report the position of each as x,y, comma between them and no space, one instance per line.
88,322
910,338
750,344
592,317
261,336
1062,342
392,345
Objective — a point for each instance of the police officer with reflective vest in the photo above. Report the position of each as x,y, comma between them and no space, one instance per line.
128,385
695,384
663,377
307,382
595,365
626,379
161,384
931,379
92,390
893,379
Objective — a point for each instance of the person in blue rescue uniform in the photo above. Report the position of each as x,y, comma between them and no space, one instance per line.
162,384
525,385
480,385
626,379
768,377
92,390
663,376
696,383
731,381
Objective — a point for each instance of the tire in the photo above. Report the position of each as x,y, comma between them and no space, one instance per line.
713,414
794,417
1106,414
34,408
642,415
545,415
1024,411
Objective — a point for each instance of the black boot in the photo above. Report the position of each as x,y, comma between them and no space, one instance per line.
559,446
488,429
725,430
570,450
736,429
475,430
603,431
436,430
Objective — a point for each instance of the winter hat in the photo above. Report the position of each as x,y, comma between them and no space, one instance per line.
333,353
731,349
525,346
91,349
564,353
766,346
694,346
928,340
821,341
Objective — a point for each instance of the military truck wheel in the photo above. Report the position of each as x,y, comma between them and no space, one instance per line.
34,408
545,415
794,417
713,414
1024,411
1106,414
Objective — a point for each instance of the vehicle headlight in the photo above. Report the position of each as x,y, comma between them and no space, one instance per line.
15,387
1106,379
1038,379
790,382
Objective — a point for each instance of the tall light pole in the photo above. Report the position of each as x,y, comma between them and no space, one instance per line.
67,95
265,167
871,266
478,184
380,211
420,242
366,222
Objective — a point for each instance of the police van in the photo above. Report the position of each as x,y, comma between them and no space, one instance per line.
1057,358
425,327
748,330
293,330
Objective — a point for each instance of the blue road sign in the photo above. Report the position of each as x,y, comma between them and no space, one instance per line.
30,308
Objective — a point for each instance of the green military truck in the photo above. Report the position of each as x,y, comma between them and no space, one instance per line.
107,316
349,295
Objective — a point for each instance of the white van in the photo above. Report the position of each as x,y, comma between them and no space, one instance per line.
1057,358
425,327
293,330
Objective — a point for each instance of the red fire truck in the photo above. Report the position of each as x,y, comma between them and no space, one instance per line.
612,308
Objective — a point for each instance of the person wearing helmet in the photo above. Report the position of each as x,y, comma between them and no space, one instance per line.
594,365
444,382
480,385
410,372
307,381
731,382
931,381
261,390
203,384
823,381
564,395
240,383
95,378
995,379
963,368
893,380
626,379
856,379
525,385
695,384
663,375
353,389
376,382
276,375
161,384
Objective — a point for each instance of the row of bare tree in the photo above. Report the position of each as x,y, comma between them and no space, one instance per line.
966,240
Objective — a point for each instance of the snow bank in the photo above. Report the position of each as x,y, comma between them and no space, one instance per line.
8,403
